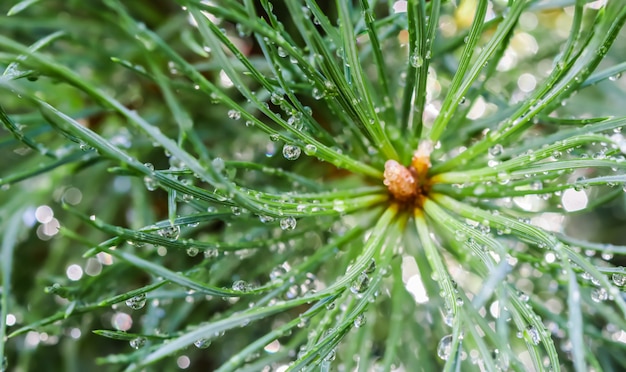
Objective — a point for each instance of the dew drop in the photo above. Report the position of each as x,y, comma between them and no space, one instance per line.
448,318
85,146
599,294
192,251
266,219
170,232
533,334
502,360
234,114
416,60
496,150
150,183
331,355
523,296
137,343
371,267
218,164
444,348
241,286
536,185
318,93
310,150
288,223
176,163
291,152
619,279
360,321
136,302
276,98
202,343
277,272
339,206
360,284
303,322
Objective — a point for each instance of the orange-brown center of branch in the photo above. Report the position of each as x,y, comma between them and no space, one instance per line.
409,185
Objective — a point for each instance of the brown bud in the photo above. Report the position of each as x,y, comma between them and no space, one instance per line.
400,181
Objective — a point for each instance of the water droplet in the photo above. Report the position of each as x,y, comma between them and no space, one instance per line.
241,286
202,343
234,114
85,146
331,355
277,272
599,294
310,150
318,93
339,206
243,30
276,98
288,223
266,219
533,334
218,164
502,360
448,318
303,322
293,292
416,60
291,152
360,321
360,284
176,163
371,268
496,150
136,302
170,232
274,137
150,183
444,348
172,67
211,253
619,279
523,296
137,343
615,77
295,121
192,251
